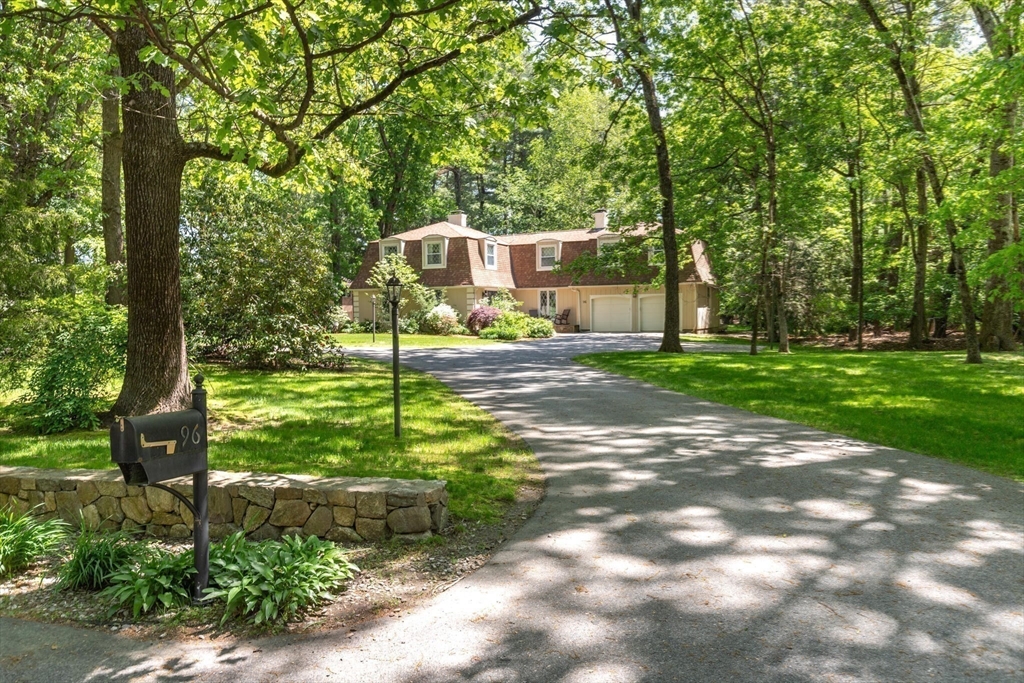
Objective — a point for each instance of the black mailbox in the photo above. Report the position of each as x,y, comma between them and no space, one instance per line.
154,448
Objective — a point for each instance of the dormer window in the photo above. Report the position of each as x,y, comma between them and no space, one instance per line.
547,254
604,240
491,255
388,247
656,252
434,249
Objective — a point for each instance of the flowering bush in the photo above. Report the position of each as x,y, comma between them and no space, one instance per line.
442,319
513,325
482,318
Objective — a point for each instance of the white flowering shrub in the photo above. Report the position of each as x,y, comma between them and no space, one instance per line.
442,319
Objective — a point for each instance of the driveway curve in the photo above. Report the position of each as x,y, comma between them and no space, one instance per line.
680,540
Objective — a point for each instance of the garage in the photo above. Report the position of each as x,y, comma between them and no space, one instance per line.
611,313
652,313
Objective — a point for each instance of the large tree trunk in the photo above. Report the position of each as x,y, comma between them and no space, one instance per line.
919,320
110,202
670,336
156,378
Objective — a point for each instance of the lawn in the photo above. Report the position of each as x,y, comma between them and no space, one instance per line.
931,403
333,424
406,341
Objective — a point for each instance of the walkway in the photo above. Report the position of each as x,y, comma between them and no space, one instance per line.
680,540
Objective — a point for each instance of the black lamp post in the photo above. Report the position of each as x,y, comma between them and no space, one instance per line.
394,287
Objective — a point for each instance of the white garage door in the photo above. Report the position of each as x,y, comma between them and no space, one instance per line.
652,313
611,314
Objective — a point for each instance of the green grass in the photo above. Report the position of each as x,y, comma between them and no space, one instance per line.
333,424
406,341
931,403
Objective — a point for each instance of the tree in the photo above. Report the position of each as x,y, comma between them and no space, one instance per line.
910,92
266,83
997,311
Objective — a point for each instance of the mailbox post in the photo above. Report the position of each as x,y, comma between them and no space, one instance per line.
201,514
154,448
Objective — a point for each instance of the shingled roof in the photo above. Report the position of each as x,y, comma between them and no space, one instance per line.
516,258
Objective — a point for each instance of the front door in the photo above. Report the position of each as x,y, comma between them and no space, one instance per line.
548,303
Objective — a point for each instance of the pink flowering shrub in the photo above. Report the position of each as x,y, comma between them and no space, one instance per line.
482,318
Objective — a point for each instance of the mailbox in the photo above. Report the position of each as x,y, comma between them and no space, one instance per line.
155,448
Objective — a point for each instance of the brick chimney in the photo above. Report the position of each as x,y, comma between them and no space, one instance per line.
458,218
600,219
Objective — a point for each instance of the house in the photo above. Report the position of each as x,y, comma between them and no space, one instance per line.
466,266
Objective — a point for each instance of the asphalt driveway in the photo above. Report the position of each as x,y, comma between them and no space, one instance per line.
680,540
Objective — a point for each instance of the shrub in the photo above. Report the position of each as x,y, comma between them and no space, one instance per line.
442,319
503,301
482,318
515,325
273,580
23,538
161,579
256,281
96,556
63,390
338,320
407,325
538,328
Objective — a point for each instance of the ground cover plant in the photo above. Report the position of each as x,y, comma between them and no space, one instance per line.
930,403
95,556
24,538
332,424
271,580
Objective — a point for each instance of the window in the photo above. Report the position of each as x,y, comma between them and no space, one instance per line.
547,257
604,241
388,247
433,253
656,252
491,255
548,303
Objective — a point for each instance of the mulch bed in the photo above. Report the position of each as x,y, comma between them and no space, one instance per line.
393,579
887,340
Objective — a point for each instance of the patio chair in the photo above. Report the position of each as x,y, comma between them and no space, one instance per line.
533,312
562,319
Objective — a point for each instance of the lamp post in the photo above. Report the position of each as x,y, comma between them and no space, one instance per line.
394,287
373,305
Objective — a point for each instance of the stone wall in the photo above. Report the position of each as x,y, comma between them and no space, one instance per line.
268,505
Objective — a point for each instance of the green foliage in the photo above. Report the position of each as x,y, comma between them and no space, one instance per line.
24,537
256,285
63,390
160,579
95,557
503,301
273,580
514,325
443,320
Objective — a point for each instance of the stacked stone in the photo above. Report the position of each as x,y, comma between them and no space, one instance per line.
344,509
